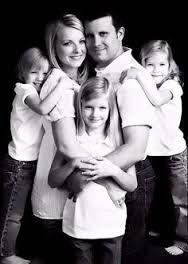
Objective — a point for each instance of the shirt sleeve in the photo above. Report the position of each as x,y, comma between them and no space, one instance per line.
24,90
65,105
134,107
174,87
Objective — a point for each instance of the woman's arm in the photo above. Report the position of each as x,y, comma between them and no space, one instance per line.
64,132
102,167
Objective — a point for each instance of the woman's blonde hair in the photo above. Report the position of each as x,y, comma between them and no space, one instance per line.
31,58
93,88
68,20
160,46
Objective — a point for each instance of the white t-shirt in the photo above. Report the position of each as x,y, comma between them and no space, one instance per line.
134,107
94,215
47,202
166,138
26,126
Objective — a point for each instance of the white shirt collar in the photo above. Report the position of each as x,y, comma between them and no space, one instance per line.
85,138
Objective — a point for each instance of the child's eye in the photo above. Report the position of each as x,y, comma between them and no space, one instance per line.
103,107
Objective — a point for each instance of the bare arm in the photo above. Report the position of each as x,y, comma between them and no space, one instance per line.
64,132
43,107
61,169
133,150
155,96
102,168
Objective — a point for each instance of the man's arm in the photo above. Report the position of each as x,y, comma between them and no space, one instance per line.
134,148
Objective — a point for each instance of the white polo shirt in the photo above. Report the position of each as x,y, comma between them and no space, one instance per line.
26,126
134,107
166,138
94,215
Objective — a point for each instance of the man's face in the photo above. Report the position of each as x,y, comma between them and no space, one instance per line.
104,44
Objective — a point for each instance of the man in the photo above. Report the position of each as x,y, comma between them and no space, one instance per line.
104,38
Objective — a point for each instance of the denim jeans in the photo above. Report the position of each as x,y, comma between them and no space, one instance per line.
172,190
95,251
138,205
48,241
17,180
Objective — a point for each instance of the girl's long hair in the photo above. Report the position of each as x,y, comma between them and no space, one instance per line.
93,88
161,46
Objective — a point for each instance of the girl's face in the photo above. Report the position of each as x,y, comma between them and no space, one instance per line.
70,48
95,113
37,75
158,66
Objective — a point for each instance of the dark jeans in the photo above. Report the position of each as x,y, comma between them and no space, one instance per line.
98,251
171,199
138,205
48,241
16,183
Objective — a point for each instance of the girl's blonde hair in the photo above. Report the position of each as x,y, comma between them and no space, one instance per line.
68,20
161,46
94,88
31,58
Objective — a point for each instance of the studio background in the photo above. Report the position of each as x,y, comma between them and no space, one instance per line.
25,23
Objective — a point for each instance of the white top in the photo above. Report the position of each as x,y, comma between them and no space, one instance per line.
47,202
26,126
134,107
166,138
94,215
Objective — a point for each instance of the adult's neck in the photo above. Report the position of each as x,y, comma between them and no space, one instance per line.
72,73
106,63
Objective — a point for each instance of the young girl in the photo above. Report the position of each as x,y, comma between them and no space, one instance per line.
94,220
167,146
18,167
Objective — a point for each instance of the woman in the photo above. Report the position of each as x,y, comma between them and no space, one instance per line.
65,44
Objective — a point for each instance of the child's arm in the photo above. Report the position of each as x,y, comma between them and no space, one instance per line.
155,96
102,168
61,169
43,107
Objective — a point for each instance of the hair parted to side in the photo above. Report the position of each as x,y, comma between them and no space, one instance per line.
31,58
161,46
68,20
94,88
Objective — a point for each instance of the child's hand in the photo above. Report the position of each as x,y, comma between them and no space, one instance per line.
129,74
100,168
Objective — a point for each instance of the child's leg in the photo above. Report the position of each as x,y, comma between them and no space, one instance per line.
17,181
109,250
82,250
179,189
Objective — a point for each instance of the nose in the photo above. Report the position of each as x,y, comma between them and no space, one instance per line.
96,40
155,69
95,112
77,48
40,76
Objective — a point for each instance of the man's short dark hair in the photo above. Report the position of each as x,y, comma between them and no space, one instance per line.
93,14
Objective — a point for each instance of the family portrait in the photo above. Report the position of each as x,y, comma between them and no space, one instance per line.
93,150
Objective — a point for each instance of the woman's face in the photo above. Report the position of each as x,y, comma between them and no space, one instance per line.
70,48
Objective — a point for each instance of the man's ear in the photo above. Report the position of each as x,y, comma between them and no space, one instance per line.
121,33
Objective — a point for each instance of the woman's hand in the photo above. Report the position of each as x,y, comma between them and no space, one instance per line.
97,168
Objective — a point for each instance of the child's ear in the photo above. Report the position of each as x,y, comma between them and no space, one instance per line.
121,33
